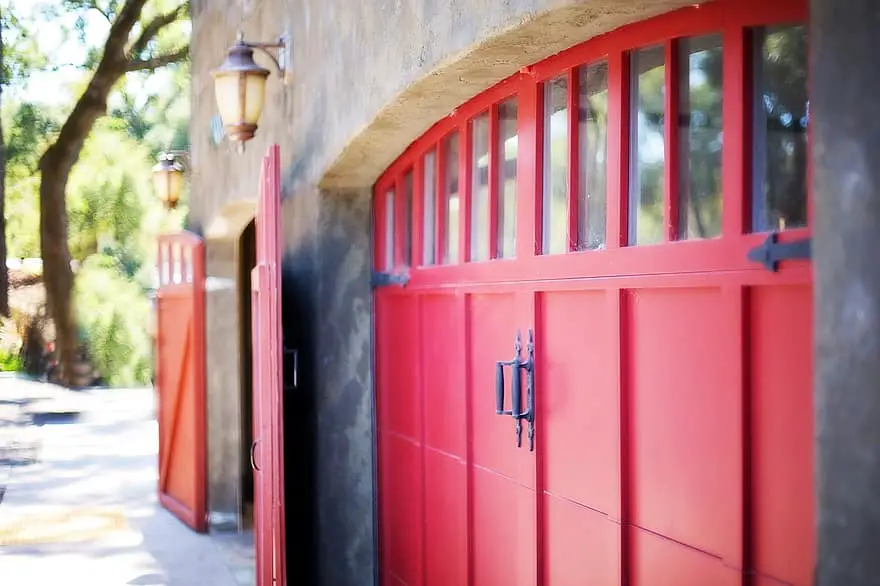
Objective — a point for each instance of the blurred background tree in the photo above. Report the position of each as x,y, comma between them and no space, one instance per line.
113,217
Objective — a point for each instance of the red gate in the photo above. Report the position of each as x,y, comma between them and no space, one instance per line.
267,450
180,377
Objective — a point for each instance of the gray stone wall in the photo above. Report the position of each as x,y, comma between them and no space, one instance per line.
368,78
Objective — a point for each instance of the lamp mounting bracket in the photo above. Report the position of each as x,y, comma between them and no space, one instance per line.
282,52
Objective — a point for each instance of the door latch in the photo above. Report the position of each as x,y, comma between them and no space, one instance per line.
517,365
295,374
772,252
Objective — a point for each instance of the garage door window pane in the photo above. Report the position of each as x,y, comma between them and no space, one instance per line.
555,208
480,188
406,212
429,208
389,229
593,138
507,151
648,145
699,137
450,200
780,131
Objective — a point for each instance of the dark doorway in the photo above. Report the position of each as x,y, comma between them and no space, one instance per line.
247,260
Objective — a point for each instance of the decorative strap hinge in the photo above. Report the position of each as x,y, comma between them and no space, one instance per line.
772,252
380,279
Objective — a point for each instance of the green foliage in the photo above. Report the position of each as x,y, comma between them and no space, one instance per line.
10,362
113,215
114,316
108,193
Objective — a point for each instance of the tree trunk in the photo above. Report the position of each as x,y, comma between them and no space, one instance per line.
57,273
4,271
58,161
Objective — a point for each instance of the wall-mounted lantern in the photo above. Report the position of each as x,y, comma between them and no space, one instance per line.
168,177
240,85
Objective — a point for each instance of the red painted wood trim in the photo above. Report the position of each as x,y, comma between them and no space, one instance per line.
736,160
571,194
464,304
617,189
618,330
530,170
199,360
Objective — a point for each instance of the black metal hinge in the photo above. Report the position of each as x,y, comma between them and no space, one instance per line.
379,279
772,252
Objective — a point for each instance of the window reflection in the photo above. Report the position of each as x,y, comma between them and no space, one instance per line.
389,229
555,225
700,120
506,156
450,200
781,117
406,211
429,208
648,144
480,188
593,147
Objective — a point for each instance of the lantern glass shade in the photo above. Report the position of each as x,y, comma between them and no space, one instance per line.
240,99
168,182
240,89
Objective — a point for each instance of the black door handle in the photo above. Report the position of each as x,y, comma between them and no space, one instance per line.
499,389
517,365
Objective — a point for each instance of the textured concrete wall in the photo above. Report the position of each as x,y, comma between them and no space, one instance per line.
369,77
846,191
224,412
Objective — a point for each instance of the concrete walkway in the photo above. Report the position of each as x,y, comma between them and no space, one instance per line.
87,513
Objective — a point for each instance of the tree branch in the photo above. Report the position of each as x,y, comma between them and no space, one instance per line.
159,60
102,12
152,29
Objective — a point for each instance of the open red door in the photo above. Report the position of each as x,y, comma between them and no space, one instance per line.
267,450
180,377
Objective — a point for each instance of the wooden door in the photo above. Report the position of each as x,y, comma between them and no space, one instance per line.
662,270
267,450
180,377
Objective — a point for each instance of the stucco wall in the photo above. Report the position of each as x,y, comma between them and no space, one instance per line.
369,77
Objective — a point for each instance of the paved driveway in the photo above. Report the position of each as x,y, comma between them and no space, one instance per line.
87,513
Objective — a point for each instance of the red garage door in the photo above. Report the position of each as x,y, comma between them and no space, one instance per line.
629,222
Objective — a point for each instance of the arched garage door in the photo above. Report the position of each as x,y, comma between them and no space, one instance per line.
637,207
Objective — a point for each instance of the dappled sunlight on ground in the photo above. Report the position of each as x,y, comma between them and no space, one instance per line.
87,514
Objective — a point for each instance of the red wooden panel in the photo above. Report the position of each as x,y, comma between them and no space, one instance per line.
504,531
582,545
446,523
493,327
268,449
180,378
685,419
657,561
578,398
404,401
782,432
442,320
405,533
